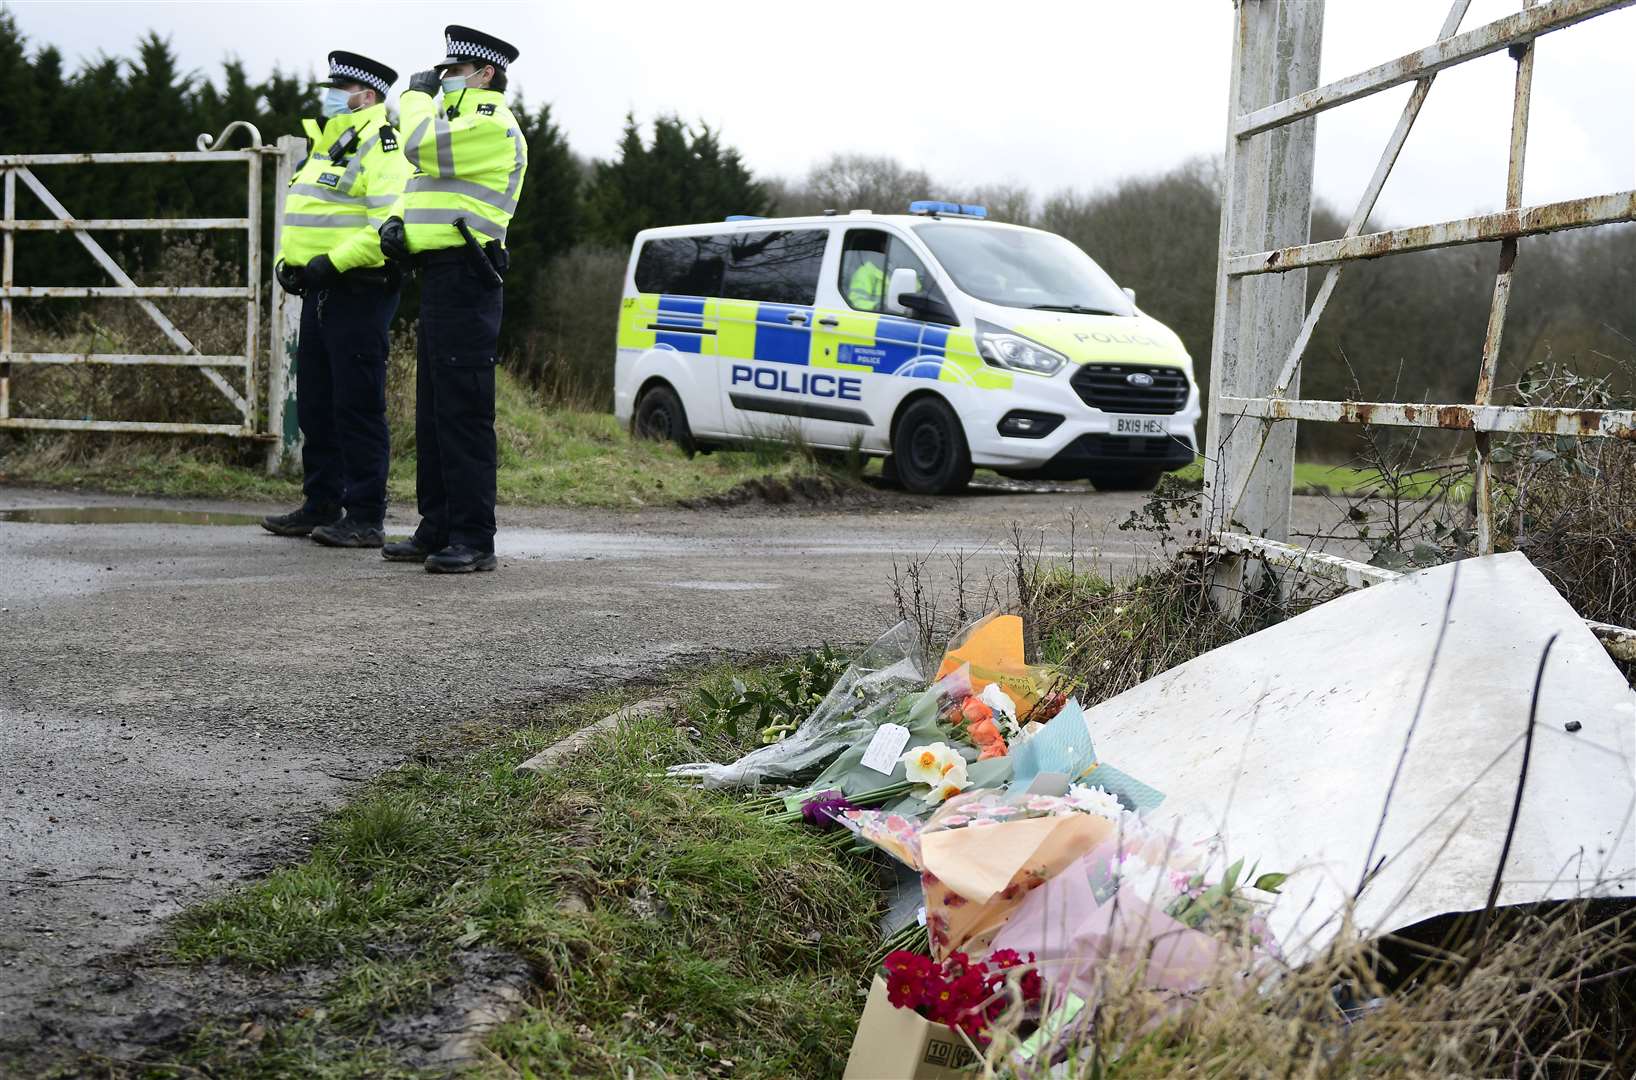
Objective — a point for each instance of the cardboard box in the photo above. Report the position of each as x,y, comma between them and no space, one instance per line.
900,1044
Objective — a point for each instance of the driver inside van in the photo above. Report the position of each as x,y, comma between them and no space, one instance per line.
866,285
868,281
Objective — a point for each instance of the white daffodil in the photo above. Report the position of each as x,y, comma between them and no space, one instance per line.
928,764
952,782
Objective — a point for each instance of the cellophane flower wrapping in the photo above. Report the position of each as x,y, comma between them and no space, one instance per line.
993,649
859,702
1117,906
980,855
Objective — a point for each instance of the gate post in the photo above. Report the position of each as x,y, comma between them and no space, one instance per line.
286,326
1266,203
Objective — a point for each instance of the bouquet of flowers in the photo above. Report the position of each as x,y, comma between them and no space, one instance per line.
1144,900
957,991
980,854
868,694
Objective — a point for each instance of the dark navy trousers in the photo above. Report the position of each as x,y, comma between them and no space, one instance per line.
455,450
340,397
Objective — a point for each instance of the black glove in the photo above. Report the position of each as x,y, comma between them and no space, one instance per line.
427,82
291,278
321,273
394,241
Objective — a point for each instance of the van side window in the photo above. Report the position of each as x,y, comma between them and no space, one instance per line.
867,261
775,267
682,265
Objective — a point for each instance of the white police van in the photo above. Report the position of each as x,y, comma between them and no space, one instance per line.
937,338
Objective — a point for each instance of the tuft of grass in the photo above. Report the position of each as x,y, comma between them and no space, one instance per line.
667,928
1105,638
141,465
1543,1000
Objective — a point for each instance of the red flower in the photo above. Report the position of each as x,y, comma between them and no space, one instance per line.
958,992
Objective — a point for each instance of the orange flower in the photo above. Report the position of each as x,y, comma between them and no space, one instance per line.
985,731
974,712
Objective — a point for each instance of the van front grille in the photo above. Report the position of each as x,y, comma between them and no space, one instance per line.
1108,387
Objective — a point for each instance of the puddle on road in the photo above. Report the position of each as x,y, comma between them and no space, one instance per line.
124,515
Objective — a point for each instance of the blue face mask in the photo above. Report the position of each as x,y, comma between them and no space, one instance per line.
454,84
336,102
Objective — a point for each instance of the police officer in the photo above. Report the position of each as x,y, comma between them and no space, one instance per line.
868,283
469,161
330,254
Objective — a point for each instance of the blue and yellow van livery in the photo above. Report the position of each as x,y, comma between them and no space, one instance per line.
937,339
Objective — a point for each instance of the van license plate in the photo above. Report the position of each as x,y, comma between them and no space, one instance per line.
1138,425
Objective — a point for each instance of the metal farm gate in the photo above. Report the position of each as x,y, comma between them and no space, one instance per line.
1262,324
19,168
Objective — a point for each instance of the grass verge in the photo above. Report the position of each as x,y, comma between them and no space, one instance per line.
663,928
1317,478
548,457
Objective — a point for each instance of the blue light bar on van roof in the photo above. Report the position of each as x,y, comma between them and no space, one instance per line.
745,217
951,209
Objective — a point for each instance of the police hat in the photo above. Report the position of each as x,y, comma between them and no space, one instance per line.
350,67
467,46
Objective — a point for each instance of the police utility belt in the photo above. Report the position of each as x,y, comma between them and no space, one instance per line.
367,278
488,261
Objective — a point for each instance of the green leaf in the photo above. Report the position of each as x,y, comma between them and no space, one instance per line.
1230,880
1390,559
1270,883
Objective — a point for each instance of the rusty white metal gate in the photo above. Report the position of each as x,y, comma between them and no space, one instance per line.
1262,323
18,169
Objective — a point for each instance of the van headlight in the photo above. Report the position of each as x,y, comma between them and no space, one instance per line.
1005,349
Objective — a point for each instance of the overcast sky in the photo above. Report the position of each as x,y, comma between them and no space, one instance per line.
1048,94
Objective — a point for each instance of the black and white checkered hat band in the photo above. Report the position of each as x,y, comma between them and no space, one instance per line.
477,52
368,78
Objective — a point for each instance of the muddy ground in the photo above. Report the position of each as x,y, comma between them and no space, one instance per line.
178,703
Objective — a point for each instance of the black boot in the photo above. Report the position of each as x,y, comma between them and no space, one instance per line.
405,551
350,533
299,522
460,559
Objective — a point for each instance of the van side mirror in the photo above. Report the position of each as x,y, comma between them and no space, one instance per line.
903,281
1130,293
903,295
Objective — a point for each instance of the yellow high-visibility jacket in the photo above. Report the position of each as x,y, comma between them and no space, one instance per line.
469,163
866,287
349,183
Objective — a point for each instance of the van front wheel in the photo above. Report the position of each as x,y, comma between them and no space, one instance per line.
929,449
660,416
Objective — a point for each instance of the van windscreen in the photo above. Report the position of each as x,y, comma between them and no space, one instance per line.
682,265
1024,269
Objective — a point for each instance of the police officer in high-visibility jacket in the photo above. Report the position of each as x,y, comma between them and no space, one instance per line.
451,224
330,254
